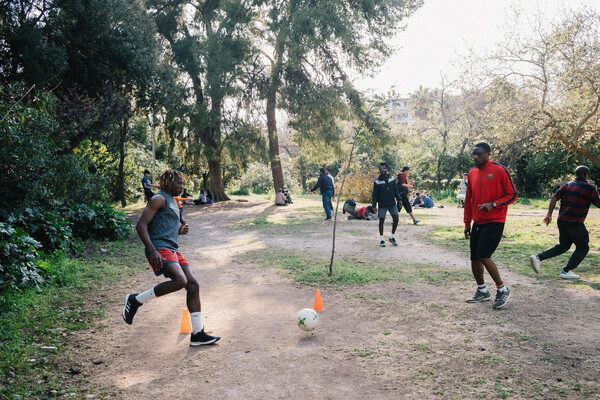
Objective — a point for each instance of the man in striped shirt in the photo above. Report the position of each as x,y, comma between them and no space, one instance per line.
575,199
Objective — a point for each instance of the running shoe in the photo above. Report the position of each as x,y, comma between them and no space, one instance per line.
382,243
393,241
201,338
535,263
480,297
130,308
502,297
568,275
416,221
327,219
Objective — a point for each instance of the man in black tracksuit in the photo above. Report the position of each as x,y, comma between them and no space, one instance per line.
385,195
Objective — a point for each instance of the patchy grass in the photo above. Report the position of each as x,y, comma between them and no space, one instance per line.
32,320
525,234
350,271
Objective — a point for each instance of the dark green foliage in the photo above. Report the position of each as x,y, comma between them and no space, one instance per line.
243,191
98,222
35,168
47,227
18,257
540,174
25,235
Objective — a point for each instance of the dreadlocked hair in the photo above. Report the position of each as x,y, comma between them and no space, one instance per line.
168,177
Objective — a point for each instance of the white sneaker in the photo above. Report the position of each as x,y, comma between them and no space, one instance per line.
535,263
568,275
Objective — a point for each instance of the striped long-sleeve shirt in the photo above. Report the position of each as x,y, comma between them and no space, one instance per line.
575,199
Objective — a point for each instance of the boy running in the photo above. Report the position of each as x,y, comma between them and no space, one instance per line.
575,199
158,228
490,190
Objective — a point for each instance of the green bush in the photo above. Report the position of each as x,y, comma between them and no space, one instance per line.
239,191
46,227
98,222
18,258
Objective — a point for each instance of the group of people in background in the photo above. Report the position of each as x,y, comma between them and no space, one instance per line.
205,196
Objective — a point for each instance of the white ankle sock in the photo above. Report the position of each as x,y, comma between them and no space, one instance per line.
147,295
196,321
381,238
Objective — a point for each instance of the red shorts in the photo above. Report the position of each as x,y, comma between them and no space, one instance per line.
169,256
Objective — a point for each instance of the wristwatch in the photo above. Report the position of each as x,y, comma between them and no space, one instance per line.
494,205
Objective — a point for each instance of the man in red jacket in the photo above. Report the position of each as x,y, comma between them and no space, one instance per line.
490,190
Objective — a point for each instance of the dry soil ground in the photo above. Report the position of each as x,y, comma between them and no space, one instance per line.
412,339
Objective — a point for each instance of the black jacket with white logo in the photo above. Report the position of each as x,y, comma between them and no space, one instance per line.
385,191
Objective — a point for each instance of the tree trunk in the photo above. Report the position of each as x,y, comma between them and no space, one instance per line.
274,157
273,89
121,176
215,179
205,180
303,183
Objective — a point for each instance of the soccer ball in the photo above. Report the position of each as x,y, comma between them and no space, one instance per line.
308,319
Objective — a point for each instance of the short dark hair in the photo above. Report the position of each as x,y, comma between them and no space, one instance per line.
146,171
484,146
405,168
581,172
322,170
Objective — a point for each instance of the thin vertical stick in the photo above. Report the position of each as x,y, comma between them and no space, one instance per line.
337,205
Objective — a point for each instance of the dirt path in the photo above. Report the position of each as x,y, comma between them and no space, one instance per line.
384,341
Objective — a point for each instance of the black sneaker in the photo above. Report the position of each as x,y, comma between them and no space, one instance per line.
393,241
130,308
382,243
327,219
501,298
416,221
480,297
200,338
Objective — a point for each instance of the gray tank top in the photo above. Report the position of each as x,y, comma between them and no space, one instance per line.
164,227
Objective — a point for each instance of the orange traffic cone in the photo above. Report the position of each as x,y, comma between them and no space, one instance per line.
186,326
318,302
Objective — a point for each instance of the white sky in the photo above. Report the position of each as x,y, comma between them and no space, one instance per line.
441,31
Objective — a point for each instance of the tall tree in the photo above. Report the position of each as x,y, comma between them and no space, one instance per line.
554,84
307,41
211,44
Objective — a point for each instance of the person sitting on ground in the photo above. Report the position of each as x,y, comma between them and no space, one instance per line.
280,199
209,197
417,200
202,199
286,192
426,201
412,198
186,193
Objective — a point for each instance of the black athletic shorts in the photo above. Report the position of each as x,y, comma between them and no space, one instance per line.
485,239
404,203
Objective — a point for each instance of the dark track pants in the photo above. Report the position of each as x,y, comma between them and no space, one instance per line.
569,233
